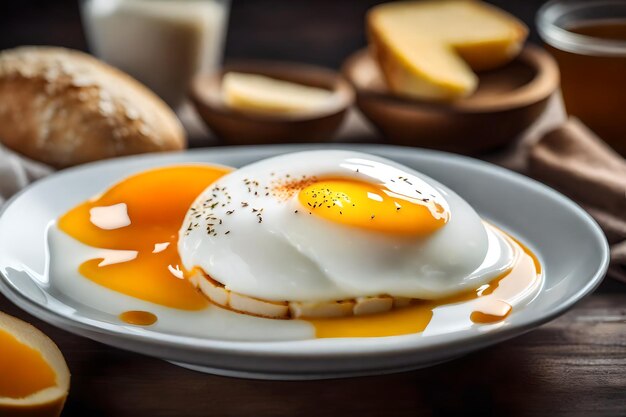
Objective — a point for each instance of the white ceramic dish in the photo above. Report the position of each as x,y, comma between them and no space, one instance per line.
572,249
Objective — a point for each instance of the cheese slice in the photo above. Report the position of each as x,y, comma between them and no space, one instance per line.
261,94
430,49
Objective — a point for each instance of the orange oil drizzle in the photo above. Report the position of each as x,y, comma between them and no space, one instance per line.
156,201
481,317
139,318
23,370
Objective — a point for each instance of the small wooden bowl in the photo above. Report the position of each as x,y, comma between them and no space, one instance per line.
507,101
237,127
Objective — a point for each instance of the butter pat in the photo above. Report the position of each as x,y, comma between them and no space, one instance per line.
430,49
261,94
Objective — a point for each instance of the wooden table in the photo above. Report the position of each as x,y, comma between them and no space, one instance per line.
573,366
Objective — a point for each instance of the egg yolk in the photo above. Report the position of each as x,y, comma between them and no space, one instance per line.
372,207
137,222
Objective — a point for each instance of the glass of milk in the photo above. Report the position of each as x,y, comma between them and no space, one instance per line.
162,43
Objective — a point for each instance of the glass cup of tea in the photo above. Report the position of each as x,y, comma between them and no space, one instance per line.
588,40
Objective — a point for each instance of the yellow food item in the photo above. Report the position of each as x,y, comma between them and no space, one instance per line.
150,236
261,94
430,49
34,378
372,207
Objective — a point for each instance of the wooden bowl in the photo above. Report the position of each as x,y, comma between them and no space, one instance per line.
238,127
506,102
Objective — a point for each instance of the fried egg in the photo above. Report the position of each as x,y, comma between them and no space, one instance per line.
323,226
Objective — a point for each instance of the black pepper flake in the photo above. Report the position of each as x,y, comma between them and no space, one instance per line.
229,212
227,232
373,215
296,211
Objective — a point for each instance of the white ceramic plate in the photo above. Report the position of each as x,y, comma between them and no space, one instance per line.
570,245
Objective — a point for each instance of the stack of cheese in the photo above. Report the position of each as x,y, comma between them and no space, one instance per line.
430,49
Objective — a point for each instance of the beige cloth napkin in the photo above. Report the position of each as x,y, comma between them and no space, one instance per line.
573,160
16,172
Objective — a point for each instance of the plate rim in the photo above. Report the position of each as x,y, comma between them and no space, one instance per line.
322,347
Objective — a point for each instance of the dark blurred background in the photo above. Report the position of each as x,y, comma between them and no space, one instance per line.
315,31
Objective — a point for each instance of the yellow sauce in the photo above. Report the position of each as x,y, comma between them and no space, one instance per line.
480,317
156,203
23,370
138,318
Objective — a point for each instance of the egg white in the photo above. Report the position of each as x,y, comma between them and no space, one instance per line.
274,253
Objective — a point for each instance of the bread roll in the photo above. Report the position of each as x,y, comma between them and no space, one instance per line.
64,107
